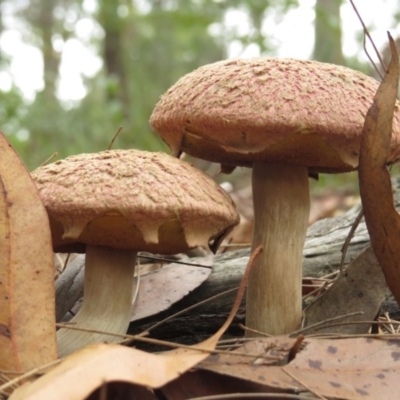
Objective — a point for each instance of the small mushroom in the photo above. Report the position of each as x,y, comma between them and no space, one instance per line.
287,119
114,203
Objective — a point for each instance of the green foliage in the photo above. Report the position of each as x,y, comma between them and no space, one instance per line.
144,53
146,46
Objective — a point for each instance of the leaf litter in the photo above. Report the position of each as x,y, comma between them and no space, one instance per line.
98,364
351,369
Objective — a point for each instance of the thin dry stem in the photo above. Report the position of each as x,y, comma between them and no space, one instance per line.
163,259
313,326
54,155
28,374
348,240
304,384
114,137
366,33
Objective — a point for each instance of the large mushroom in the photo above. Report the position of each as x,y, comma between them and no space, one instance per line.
114,203
285,118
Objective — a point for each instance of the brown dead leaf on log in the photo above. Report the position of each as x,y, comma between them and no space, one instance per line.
382,220
349,369
27,298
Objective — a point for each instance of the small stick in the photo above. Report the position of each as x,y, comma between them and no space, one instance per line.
304,385
318,289
165,343
212,298
348,240
390,323
295,333
240,396
28,375
156,258
114,137
236,245
330,274
366,33
49,159
246,328
363,335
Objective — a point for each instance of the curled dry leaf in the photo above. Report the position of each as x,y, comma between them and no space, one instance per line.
27,316
86,370
381,217
349,369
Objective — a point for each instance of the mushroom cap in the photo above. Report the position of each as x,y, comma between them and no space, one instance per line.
263,109
131,199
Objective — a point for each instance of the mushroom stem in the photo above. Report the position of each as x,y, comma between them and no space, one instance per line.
281,210
107,303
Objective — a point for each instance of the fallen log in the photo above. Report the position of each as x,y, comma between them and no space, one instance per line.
322,255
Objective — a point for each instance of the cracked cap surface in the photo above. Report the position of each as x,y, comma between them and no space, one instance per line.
280,110
132,199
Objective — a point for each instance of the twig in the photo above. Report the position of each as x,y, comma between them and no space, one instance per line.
273,396
319,396
295,333
391,328
366,33
327,276
355,323
362,335
246,328
28,374
114,137
157,258
49,159
165,343
348,240
318,289
235,245
212,298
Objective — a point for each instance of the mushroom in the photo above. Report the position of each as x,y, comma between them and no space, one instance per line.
114,203
287,119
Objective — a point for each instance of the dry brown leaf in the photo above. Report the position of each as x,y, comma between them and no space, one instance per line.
89,368
27,316
382,220
349,369
361,289
171,283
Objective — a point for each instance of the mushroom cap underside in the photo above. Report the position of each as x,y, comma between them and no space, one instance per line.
301,112
132,199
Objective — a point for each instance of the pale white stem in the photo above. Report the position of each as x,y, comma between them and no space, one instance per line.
107,301
281,211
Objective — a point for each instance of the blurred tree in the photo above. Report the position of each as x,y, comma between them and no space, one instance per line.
145,47
328,32
44,122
